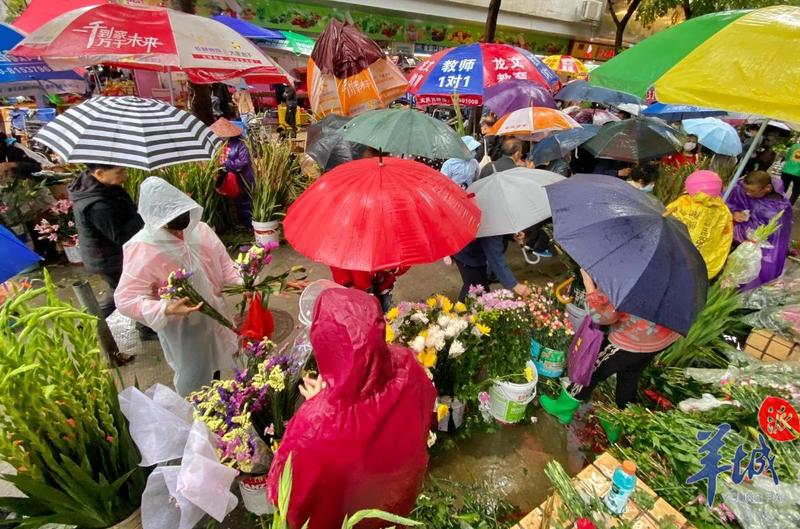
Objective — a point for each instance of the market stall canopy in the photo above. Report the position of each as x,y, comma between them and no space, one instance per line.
129,132
582,91
406,131
381,213
292,42
40,12
532,123
740,61
633,140
643,261
514,94
248,29
149,39
715,135
679,112
512,200
20,70
470,69
348,73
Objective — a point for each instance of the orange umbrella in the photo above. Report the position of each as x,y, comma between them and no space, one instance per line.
348,73
533,123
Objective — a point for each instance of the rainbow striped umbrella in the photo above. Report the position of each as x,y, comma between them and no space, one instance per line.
739,61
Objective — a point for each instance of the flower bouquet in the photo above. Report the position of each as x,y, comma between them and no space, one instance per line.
552,331
178,285
60,228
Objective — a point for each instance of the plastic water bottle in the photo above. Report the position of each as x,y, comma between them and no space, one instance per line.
622,486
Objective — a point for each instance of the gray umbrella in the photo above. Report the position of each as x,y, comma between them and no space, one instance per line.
325,143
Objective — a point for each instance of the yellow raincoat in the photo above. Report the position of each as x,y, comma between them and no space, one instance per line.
710,225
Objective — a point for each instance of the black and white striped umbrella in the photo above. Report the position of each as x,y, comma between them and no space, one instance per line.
130,132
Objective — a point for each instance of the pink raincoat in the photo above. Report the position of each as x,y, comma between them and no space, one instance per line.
194,346
360,443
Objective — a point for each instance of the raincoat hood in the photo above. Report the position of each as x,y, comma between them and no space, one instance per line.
349,343
160,202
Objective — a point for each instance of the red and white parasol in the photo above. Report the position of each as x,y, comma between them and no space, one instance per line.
149,38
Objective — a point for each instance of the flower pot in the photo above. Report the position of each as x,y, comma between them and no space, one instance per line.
134,521
509,399
73,253
456,413
267,231
254,494
549,362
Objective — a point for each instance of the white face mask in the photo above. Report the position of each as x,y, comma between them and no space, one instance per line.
689,146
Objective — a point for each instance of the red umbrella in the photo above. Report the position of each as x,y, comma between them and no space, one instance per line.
40,12
377,214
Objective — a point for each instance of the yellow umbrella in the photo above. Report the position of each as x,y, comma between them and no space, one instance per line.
567,65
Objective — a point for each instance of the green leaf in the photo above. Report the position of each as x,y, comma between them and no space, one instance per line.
380,515
18,371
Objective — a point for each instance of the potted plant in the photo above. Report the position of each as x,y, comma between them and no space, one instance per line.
58,226
276,169
75,461
552,332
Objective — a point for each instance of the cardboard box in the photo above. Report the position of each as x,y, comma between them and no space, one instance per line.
770,348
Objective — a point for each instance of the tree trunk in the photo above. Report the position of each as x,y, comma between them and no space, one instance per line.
687,9
491,20
622,23
199,94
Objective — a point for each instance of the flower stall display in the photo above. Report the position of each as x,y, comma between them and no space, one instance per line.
60,227
178,285
552,332
66,437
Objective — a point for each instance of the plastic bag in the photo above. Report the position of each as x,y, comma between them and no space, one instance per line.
179,496
782,291
706,403
784,321
744,264
160,422
745,368
761,504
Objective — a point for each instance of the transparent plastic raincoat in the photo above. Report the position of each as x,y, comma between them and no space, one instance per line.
195,345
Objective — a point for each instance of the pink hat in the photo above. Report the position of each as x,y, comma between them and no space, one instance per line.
703,181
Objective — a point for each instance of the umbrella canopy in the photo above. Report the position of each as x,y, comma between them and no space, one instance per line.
470,69
645,263
715,135
248,29
732,60
532,123
378,214
15,70
558,144
128,131
566,64
594,116
149,38
16,256
679,112
349,74
514,94
325,141
512,200
292,42
40,12
406,131
634,140
582,91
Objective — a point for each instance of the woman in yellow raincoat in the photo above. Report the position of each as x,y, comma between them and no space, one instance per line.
708,219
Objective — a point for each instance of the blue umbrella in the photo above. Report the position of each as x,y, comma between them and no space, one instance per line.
679,112
715,135
19,70
16,256
249,30
582,91
644,262
559,144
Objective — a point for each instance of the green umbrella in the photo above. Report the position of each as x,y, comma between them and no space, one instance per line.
406,131
294,43
634,140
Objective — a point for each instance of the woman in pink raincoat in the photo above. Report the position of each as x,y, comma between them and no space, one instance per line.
195,346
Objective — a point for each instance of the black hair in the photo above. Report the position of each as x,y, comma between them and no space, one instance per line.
95,166
644,172
511,146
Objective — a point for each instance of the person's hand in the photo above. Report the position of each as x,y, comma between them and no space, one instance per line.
311,387
448,260
519,238
624,173
739,216
181,307
588,282
522,290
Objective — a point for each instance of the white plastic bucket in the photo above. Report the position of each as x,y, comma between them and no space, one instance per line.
267,231
73,254
254,494
509,399
576,315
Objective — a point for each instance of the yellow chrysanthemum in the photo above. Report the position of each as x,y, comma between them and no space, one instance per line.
442,411
484,329
529,374
461,308
445,303
427,357
275,446
392,314
389,334
424,333
431,302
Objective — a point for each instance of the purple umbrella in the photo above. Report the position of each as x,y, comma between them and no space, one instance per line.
514,94
646,264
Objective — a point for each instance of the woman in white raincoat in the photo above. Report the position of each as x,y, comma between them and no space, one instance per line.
195,346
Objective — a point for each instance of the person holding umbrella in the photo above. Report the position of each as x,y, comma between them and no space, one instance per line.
463,172
489,150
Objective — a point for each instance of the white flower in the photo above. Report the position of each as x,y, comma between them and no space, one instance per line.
456,349
443,321
419,317
435,336
417,344
431,439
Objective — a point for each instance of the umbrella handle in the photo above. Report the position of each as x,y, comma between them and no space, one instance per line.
536,258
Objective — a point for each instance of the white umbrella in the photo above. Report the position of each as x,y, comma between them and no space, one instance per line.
513,200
